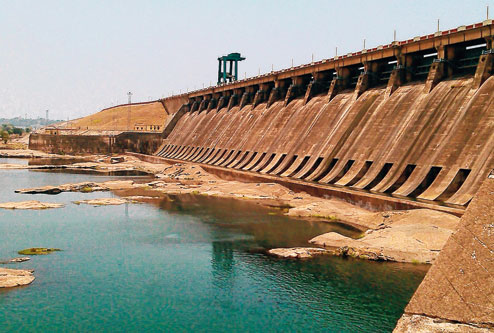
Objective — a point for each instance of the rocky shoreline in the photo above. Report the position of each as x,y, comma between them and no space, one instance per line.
405,236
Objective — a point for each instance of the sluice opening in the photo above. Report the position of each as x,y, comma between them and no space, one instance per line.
313,168
277,164
402,179
228,156
250,159
175,148
227,162
354,77
327,170
218,157
343,171
361,173
241,159
384,171
422,66
428,180
467,63
386,71
455,185
267,162
288,165
192,153
197,154
207,155
258,161
300,167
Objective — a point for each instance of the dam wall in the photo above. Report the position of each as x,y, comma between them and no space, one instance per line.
145,143
412,120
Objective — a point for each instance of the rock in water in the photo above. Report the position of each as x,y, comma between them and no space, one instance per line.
32,204
15,277
38,251
20,259
103,201
299,252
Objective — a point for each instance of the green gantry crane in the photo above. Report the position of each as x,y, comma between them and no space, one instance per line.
225,76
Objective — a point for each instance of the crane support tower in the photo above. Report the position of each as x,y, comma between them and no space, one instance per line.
231,75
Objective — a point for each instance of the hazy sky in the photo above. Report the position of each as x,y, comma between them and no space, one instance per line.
76,57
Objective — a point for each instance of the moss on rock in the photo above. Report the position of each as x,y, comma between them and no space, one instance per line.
38,251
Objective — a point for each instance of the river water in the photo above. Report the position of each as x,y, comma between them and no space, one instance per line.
184,264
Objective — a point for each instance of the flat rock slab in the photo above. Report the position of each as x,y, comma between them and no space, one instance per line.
103,202
10,278
32,204
299,252
424,324
85,187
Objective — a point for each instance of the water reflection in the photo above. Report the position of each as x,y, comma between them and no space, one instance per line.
262,227
222,263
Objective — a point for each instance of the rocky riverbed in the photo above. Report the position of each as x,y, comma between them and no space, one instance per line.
404,236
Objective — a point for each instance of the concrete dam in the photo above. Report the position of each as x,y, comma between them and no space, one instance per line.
412,120
399,126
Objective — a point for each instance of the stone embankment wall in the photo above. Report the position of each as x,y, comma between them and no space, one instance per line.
145,143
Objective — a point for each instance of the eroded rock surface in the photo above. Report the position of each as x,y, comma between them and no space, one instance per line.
32,204
407,236
103,201
10,278
79,187
299,252
423,324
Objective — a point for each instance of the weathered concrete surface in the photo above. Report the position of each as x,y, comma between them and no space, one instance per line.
433,146
98,143
460,285
10,278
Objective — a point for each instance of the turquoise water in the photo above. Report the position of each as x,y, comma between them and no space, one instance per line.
191,264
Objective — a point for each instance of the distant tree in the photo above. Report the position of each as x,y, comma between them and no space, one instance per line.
17,130
5,136
28,129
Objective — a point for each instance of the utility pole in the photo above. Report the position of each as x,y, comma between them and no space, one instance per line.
129,109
